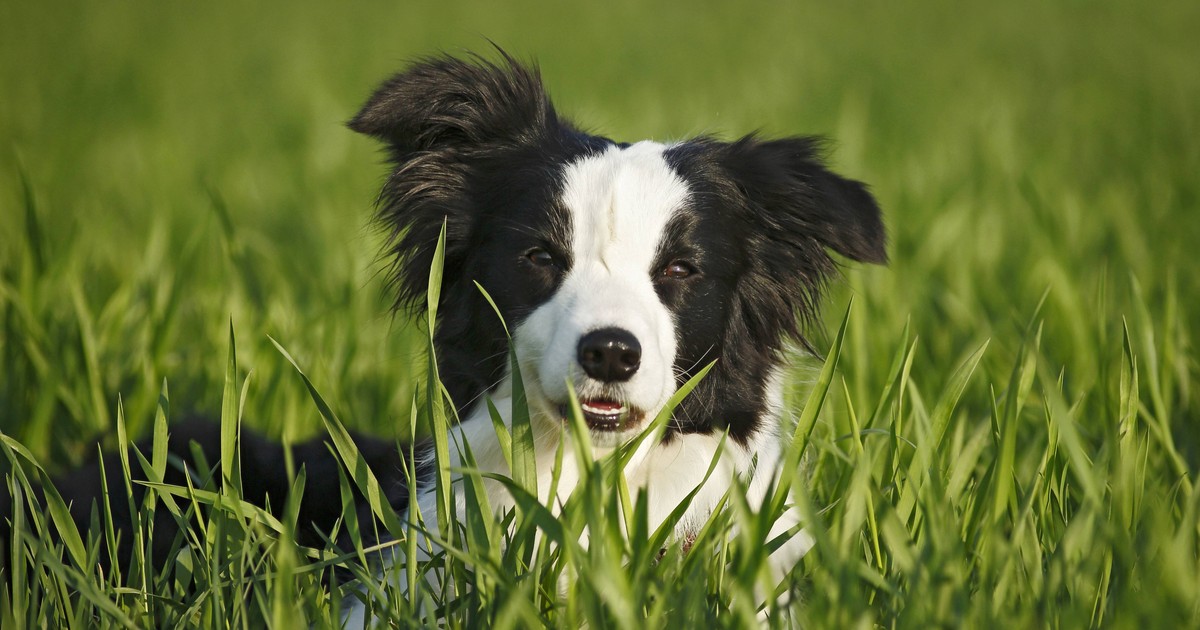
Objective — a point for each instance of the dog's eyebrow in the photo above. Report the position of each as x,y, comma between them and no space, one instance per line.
674,235
555,233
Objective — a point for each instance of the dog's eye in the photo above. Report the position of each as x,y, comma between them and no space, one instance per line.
677,270
539,257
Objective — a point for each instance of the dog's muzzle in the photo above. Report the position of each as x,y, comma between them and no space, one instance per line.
610,356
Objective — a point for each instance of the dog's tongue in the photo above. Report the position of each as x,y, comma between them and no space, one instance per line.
604,406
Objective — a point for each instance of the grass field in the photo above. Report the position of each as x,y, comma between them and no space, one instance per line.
1011,436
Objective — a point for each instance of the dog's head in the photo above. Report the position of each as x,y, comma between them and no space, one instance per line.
623,268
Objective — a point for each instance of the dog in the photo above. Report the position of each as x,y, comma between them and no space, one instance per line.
621,271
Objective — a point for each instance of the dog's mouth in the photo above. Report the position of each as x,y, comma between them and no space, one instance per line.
605,414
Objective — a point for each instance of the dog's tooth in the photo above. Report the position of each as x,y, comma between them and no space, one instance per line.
605,410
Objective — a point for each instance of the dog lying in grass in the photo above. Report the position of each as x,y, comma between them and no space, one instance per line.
585,285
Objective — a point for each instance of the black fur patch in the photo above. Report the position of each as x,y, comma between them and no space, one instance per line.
479,147
264,483
763,213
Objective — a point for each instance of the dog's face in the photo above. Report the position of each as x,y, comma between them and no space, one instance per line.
619,269
608,326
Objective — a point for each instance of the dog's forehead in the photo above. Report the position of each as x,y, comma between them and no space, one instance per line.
621,201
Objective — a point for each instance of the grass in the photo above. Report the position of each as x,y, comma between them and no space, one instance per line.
1009,438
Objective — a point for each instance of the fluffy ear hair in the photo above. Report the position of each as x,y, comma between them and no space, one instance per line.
798,197
444,103
439,118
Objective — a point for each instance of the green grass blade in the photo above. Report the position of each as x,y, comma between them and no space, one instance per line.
233,505
816,396
939,421
158,456
524,459
33,224
348,453
60,516
230,467
627,450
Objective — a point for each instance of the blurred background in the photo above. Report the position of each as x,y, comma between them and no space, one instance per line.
167,167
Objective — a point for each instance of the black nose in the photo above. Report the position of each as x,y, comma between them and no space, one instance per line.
610,354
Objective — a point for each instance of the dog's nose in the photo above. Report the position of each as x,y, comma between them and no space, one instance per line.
610,354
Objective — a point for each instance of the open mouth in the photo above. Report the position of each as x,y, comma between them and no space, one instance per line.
605,415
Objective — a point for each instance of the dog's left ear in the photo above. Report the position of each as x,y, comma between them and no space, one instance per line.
795,194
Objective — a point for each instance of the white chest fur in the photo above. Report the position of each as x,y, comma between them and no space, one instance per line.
667,472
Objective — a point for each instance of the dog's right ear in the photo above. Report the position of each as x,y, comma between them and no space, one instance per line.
448,104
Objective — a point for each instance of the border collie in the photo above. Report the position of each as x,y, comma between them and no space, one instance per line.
622,269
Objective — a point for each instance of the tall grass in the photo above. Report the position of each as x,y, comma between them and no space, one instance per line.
1008,439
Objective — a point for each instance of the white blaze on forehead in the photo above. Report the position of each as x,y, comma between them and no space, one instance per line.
620,202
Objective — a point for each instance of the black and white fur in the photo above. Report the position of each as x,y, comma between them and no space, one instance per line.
623,268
